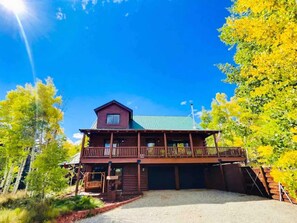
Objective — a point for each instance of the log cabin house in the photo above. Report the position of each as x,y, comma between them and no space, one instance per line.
139,153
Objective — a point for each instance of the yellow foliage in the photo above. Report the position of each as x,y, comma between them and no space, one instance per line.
288,160
285,171
71,148
238,141
264,33
265,152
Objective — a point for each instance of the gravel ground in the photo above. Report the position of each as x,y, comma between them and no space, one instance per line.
186,206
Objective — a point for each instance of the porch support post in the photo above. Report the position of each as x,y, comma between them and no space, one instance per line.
177,187
79,165
223,176
138,144
110,145
108,174
191,144
216,144
165,144
138,176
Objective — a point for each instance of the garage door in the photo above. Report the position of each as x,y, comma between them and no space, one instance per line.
191,177
161,178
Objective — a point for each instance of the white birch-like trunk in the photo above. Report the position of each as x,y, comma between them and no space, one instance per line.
9,179
19,176
32,155
4,178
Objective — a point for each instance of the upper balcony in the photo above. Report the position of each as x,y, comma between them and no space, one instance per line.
153,147
161,152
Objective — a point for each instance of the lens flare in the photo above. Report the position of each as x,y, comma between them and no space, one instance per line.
16,6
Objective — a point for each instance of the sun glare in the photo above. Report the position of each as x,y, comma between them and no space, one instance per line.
16,6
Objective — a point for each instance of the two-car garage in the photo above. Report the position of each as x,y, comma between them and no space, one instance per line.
165,177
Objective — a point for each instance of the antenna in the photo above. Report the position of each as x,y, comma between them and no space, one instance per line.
192,112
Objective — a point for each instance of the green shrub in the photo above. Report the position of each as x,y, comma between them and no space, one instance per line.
34,209
77,203
40,211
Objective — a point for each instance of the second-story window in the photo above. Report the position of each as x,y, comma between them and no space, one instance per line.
113,119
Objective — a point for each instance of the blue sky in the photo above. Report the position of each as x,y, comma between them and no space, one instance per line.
150,55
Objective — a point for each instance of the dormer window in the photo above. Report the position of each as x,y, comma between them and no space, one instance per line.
113,119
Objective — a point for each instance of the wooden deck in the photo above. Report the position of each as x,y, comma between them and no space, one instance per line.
162,154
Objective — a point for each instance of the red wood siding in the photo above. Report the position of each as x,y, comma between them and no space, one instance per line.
143,179
124,139
113,109
157,138
97,140
198,140
120,139
130,178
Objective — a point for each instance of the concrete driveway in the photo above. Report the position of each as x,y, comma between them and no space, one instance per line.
186,206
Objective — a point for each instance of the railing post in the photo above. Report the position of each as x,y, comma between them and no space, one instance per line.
191,144
108,174
110,145
138,176
138,144
79,166
165,144
216,144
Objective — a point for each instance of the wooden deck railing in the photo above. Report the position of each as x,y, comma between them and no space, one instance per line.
104,152
231,152
179,152
152,152
159,152
125,152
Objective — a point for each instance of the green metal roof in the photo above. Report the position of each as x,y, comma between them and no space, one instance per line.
159,123
162,122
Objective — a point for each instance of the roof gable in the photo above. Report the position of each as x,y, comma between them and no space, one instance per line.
116,103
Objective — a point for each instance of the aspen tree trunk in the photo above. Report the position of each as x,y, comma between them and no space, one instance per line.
4,178
32,154
19,176
8,180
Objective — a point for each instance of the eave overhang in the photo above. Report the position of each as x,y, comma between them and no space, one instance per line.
206,133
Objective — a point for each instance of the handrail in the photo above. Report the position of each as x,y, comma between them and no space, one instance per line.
159,152
154,151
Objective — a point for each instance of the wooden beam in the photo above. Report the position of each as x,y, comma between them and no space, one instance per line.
138,144
216,144
191,144
165,160
108,174
165,144
176,173
223,177
80,163
110,145
138,177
